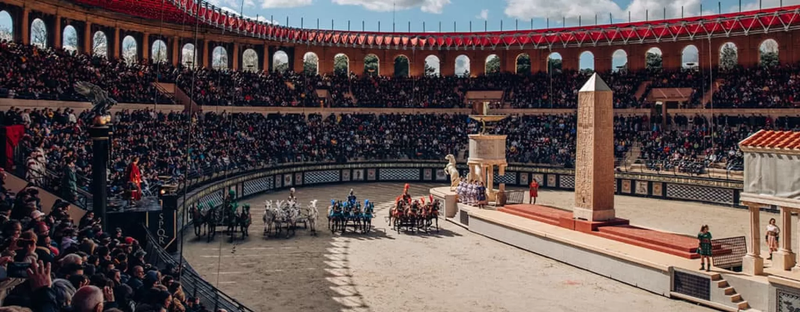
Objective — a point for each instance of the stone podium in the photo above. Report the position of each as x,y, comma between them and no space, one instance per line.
594,159
486,152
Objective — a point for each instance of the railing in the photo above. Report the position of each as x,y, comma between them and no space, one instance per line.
192,282
733,170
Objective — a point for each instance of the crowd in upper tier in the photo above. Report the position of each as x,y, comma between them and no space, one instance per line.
32,73
57,140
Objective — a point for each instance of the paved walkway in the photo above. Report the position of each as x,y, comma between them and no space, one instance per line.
453,270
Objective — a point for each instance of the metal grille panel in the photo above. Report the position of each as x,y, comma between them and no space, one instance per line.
398,174
327,176
256,186
730,251
692,285
214,199
786,301
508,178
700,193
567,182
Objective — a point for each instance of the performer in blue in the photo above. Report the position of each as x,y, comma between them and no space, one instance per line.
369,210
351,198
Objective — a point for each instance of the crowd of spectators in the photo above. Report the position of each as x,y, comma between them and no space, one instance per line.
52,263
34,73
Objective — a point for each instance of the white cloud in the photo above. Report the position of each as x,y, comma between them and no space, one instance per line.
571,10
765,4
269,4
484,15
427,6
259,18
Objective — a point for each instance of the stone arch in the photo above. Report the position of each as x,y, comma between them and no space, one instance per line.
250,60
402,66
462,66
492,65
690,57
280,62
310,63
433,66
619,60
372,65
728,55
653,59
219,58
523,64
6,26
129,49
189,55
586,61
554,61
158,52
100,44
768,53
39,33
69,38
341,64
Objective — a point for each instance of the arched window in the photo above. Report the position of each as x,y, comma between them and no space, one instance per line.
69,38
768,53
690,57
432,66
129,49
462,66
728,56
219,58
280,62
554,62
159,51
653,59
39,33
586,61
492,64
619,61
372,65
523,66
402,66
341,64
6,26
310,64
189,55
250,60
100,44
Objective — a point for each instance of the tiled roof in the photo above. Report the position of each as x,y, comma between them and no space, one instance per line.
787,140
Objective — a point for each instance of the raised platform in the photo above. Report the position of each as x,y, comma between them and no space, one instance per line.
618,229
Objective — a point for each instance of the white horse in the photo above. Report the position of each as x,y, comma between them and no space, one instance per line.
451,170
269,217
312,212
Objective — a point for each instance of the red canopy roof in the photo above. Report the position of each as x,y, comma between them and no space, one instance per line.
723,25
773,139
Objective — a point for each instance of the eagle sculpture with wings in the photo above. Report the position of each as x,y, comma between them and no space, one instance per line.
101,102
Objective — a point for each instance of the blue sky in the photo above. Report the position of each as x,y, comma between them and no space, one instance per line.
484,13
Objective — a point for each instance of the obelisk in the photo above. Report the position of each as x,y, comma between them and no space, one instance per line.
594,160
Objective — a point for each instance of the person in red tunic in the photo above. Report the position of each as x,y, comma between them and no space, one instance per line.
135,178
534,191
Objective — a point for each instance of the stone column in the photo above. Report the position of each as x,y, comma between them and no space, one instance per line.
100,134
594,161
87,38
57,32
235,56
176,42
752,263
26,26
784,258
117,46
146,47
206,57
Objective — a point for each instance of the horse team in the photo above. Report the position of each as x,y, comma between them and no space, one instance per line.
414,215
342,215
206,220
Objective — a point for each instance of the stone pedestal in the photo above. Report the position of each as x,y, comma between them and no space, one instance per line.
594,160
485,153
783,259
753,265
449,200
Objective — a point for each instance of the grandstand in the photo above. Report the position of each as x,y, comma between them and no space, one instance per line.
355,98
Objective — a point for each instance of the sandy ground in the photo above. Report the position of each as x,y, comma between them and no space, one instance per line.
453,270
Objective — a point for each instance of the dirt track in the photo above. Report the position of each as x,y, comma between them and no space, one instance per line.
454,270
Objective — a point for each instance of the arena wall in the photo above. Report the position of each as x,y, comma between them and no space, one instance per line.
57,14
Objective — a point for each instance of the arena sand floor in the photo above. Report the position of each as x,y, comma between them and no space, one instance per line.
454,270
